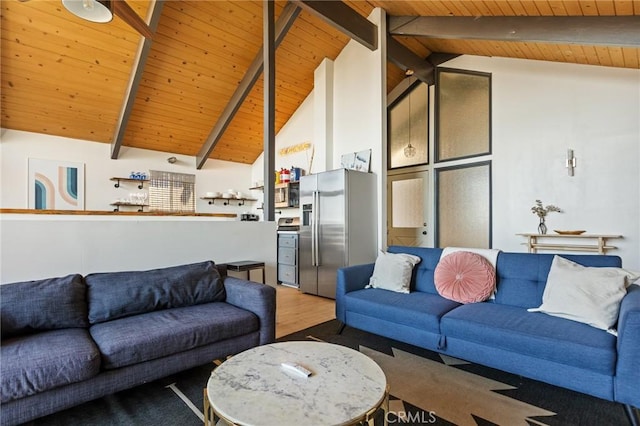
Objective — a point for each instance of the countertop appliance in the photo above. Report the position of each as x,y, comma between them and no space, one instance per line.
288,224
338,229
288,230
249,217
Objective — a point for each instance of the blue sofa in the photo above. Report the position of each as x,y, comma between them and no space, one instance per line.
501,333
72,339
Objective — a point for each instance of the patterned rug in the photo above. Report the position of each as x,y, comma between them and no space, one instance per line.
426,388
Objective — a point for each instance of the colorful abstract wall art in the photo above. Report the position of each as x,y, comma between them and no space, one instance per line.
56,185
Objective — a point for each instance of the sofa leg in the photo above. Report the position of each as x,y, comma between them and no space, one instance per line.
343,325
632,414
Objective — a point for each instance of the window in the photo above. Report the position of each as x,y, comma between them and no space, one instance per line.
408,129
464,205
172,192
463,114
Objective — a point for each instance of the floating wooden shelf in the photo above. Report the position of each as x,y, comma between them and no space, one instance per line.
599,245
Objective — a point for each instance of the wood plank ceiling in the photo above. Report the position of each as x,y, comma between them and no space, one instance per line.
68,77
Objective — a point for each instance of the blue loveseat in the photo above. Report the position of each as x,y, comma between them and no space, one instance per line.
73,339
501,333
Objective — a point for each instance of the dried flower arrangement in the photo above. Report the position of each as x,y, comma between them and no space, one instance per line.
541,211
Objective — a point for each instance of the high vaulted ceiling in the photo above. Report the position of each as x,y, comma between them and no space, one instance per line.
65,76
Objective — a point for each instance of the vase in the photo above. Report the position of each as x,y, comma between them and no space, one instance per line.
542,227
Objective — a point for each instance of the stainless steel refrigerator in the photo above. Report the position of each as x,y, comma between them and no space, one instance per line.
339,227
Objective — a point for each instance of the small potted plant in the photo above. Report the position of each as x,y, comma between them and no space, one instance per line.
541,211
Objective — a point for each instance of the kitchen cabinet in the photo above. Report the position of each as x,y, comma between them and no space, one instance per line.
288,258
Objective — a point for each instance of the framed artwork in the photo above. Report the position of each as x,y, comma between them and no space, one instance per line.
463,114
362,161
56,185
408,118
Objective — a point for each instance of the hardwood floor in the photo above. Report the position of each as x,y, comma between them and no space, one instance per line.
296,311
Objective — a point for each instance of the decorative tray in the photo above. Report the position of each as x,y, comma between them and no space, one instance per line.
569,232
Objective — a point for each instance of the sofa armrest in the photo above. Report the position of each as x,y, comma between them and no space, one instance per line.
257,298
627,390
351,278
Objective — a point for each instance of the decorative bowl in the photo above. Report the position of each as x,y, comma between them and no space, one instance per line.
578,232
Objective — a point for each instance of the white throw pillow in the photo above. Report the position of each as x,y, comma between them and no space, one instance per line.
392,271
591,295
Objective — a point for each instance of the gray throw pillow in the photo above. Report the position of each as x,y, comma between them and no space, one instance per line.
49,304
114,295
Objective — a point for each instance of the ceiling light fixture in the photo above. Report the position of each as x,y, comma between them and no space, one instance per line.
171,160
92,10
408,72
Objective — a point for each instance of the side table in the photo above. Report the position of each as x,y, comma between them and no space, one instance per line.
248,266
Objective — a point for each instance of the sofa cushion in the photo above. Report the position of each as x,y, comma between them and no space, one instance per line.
522,276
585,294
465,277
132,340
533,334
417,309
53,303
119,294
42,361
392,271
422,279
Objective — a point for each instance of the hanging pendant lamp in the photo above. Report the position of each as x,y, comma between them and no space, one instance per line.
91,10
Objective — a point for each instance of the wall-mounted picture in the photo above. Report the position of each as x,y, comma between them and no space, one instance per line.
56,185
347,161
362,161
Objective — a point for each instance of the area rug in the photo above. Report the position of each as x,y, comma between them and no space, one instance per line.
426,388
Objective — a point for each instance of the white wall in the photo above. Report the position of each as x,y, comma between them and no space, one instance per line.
541,109
17,147
39,246
359,116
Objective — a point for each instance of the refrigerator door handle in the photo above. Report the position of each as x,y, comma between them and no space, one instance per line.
313,228
316,228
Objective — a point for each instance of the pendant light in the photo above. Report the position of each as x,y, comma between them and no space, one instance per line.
409,150
91,10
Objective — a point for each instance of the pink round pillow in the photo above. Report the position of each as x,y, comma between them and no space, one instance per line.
465,277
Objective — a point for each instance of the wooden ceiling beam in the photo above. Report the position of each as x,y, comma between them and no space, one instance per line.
359,28
406,60
134,81
282,25
585,30
342,17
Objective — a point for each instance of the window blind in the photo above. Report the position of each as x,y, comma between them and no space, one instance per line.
171,192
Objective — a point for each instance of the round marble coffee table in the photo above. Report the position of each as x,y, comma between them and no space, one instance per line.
252,388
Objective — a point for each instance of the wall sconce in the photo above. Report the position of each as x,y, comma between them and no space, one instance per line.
570,162
171,160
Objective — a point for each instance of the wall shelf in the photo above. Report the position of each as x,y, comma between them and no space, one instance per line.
124,204
596,243
117,181
227,201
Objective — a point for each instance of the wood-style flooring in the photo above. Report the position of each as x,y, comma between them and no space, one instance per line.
296,311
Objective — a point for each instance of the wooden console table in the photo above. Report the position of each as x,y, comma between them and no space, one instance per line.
598,246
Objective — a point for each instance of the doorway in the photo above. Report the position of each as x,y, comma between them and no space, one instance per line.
408,209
